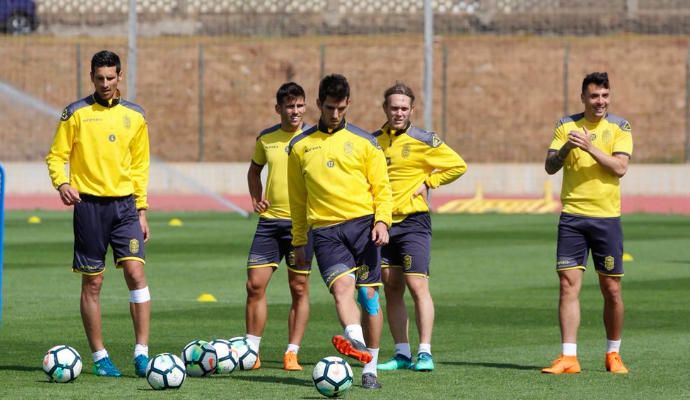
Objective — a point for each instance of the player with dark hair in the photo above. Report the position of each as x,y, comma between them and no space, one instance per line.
339,188
593,148
418,161
272,240
104,138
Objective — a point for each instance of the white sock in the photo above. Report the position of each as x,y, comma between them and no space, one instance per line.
403,349
370,367
255,340
292,348
613,346
141,349
354,332
424,348
569,349
99,355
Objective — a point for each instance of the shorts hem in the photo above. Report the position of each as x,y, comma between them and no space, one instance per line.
359,285
78,271
348,272
423,275
299,271
571,268
257,266
118,262
611,275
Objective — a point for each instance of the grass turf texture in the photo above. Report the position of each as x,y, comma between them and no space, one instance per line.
493,283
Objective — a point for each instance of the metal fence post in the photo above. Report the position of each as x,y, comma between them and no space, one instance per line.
687,107
566,61
2,228
201,103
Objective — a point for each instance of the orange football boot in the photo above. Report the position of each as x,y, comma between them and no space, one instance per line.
563,365
352,348
290,362
257,364
614,363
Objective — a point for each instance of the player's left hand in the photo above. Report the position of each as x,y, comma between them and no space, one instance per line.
144,225
379,235
580,140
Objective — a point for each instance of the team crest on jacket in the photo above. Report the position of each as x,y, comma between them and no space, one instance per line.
609,263
330,163
593,137
126,122
406,151
134,246
606,137
65,115
112,137
347,148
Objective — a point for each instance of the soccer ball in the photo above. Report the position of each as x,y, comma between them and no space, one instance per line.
332,376
165,371
226,355
199,358
62,364
246,352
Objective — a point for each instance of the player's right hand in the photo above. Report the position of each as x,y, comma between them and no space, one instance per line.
68,195
300,256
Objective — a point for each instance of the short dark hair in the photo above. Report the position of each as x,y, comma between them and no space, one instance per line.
398,88
597,78
288,91
105,58
335,86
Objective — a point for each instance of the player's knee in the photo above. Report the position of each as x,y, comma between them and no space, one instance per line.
298,287
91,284
369,303
255,288
140,295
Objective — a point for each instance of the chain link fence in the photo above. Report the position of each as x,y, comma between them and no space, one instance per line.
504,70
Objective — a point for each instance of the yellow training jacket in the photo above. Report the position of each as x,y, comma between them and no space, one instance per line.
588,189
271,149
335,176
415,156
107,147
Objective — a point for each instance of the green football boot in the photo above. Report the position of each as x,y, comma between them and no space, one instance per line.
398,361
424,363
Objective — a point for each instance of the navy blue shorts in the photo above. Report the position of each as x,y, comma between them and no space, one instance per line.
347,248
272,243
102,221
577,235
410,245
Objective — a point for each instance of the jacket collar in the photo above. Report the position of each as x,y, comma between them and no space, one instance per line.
115,101
325,129
387,128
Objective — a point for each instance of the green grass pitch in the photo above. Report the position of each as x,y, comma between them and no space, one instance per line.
493,283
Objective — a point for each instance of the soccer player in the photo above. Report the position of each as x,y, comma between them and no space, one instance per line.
272,240
104,138
593,148
338,186
417,162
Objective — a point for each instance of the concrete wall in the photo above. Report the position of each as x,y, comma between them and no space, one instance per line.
495,179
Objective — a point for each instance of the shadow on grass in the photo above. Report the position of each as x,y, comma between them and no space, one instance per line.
19,368
493,365
273,379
